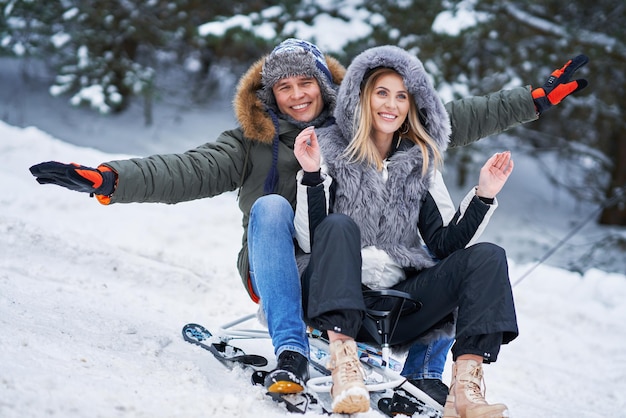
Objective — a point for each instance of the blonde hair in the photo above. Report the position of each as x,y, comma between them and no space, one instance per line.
361,147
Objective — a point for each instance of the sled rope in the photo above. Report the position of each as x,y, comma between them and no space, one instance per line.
619,196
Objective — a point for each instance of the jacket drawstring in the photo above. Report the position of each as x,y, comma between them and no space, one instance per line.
272,177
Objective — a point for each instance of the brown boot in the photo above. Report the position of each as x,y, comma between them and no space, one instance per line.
466,398
348,392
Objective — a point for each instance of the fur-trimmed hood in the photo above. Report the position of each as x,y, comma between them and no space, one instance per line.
250,111
433,113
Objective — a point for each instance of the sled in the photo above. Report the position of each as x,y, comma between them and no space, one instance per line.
382,371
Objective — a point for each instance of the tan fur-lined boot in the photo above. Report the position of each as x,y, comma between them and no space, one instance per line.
466,398
348,392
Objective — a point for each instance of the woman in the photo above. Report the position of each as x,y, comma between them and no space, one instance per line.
386,195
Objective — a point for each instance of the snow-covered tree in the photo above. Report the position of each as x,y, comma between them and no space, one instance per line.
28,27
107,51
522,41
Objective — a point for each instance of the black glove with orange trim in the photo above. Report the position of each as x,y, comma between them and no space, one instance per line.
100,181
558,86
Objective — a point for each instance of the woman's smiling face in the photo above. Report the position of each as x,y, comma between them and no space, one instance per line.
389,104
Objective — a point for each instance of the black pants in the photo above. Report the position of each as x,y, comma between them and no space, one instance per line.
331,283
474,280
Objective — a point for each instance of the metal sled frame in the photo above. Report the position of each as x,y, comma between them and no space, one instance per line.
380,376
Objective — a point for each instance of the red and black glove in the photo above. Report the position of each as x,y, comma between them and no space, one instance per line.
558,86
100,181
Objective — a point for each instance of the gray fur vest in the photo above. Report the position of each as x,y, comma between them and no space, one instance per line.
386,212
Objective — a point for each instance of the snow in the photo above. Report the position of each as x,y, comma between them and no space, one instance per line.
453,22
351,22
219,28
92,300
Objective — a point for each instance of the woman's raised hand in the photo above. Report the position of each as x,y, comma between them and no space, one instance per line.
307,150
494,174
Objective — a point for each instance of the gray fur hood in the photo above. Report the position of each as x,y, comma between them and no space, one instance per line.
433,113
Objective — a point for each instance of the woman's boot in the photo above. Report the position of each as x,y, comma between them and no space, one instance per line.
466,398
348,392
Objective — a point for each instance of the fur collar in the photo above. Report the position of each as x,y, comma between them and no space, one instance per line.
254,120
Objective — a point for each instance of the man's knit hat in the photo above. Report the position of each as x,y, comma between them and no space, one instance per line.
296,57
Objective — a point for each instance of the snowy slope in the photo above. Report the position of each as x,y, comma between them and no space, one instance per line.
92,300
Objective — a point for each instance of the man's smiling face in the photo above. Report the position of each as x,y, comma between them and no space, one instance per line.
299,97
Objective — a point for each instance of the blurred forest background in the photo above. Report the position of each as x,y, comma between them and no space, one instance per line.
106,54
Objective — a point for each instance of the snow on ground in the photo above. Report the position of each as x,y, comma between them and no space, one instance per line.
92,300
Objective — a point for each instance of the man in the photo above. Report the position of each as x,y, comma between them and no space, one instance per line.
291,88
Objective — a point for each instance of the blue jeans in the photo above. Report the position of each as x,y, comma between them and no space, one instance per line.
274,272
427,361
